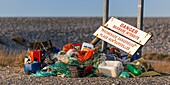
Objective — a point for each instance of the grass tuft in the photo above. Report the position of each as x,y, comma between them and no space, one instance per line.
162,67
17,60
11,59
156,56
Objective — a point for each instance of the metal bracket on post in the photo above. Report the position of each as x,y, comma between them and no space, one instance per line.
95,41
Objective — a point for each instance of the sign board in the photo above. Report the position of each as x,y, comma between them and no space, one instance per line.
117,40
128,31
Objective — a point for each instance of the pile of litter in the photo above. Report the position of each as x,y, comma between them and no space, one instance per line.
83,60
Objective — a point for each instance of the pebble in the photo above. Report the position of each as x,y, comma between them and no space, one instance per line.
77,30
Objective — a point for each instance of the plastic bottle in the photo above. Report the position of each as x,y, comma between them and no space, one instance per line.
134,70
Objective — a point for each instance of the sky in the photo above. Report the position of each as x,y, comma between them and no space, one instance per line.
81,8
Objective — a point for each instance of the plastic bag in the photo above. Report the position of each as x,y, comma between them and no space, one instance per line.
60,68
66,47
98,59
42,74
85,55
124,75
72,53
74,61
62,58
142,64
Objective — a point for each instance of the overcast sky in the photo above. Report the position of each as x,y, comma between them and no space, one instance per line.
74,8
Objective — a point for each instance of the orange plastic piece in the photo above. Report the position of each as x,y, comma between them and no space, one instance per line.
66,47
85,55
78,44
31,56
35,54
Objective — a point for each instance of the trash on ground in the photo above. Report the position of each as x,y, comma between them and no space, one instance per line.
72,61
86,60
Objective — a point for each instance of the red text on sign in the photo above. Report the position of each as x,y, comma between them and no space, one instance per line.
132,35
104,36
119,29
129,28
109,33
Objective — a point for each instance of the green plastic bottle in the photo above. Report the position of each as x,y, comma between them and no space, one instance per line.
132,68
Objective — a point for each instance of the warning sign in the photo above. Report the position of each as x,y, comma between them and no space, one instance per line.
128,31
117,40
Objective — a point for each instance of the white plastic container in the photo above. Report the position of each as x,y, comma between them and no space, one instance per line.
111,68
26,59
86,46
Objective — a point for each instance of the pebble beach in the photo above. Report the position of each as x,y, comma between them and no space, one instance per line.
63,30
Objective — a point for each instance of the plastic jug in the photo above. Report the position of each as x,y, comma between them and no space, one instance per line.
111,68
